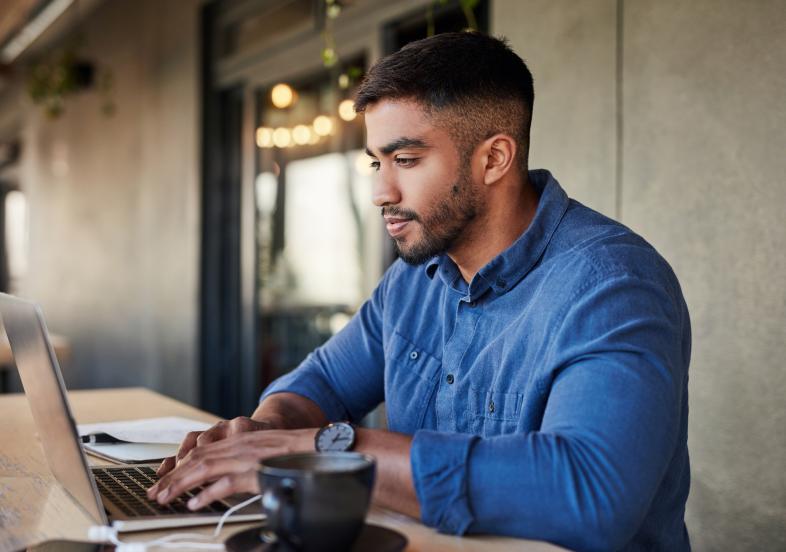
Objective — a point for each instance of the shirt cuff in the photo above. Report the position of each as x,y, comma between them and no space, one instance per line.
439,471
312,387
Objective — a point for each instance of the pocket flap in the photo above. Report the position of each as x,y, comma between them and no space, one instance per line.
413,358
495,405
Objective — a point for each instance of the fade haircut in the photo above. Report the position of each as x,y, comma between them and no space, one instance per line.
472,85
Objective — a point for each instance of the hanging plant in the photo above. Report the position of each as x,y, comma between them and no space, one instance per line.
332,11
467,7
54,80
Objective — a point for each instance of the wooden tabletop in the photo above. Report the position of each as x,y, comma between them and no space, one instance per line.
35,508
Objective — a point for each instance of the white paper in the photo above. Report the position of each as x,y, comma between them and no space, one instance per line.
132,452
170,430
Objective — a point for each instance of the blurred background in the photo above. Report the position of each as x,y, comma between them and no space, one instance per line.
183,189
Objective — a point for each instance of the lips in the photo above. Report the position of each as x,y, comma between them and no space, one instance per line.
396,226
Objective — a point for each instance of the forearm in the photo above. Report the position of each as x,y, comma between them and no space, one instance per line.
394,488
289,411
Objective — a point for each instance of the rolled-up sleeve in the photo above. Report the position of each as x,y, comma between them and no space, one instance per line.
439,465
614,385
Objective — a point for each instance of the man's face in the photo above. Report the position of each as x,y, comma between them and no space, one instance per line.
424,187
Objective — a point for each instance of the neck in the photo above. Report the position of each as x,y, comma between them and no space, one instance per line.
508,214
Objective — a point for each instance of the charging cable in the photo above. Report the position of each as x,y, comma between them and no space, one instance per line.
104,533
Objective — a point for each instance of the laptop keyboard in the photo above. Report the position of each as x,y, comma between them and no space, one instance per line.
126,488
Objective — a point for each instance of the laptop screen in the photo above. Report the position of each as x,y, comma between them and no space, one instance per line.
46,394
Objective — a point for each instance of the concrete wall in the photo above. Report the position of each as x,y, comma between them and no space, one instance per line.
699,165
570,48
114,204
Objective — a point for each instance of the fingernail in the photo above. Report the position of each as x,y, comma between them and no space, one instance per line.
163,494
192,504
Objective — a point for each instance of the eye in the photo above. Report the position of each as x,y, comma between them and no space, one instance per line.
406,161
374,165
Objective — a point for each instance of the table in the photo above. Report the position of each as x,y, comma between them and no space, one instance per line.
34,507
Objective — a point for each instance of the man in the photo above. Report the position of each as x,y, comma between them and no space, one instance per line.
532,354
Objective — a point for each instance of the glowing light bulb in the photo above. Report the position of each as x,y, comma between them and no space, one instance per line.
282,137
323,125
264,136
346,110
282,95
301,134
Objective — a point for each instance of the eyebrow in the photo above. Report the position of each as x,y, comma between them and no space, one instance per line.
398,144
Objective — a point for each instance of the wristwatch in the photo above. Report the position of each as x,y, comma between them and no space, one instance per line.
335,437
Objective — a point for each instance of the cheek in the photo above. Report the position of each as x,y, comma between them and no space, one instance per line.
426,184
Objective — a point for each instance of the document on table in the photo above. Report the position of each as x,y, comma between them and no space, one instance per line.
137,441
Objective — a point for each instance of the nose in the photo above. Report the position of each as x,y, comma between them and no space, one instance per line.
386,190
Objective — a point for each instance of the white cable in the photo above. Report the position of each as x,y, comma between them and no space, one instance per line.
231,511
103,533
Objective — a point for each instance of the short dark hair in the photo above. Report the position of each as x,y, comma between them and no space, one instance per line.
472,83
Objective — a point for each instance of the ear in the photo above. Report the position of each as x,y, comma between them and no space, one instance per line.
498,154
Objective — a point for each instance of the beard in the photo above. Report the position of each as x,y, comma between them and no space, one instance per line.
443,226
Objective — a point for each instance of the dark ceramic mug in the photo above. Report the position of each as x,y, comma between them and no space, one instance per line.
316,501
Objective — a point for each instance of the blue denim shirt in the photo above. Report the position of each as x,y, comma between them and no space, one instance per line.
547,399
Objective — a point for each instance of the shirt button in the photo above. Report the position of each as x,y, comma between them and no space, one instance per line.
450,379
413,355
491,407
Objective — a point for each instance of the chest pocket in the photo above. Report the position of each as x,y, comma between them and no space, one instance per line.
493,412
411,376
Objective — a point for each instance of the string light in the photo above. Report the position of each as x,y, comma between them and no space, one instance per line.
264,137
323,125
301,134
346,110
282,95
282,137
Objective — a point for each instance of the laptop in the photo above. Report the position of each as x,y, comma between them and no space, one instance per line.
110,495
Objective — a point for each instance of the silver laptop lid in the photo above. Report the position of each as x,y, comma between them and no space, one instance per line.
46,393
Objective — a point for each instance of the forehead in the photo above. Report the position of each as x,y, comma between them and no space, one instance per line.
388,121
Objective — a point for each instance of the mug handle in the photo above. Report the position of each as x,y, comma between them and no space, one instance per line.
280,505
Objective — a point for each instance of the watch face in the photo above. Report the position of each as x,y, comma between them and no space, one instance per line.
336,437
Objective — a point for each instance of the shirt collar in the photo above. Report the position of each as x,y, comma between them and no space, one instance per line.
506,269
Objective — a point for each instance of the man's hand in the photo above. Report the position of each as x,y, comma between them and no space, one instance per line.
221,430
230,463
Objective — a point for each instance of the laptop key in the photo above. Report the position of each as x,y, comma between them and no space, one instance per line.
126,487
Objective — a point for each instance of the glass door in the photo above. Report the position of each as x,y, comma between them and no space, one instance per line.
319,237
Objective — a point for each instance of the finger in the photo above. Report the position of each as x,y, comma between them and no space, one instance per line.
166,466
188,443
231,442
193,474
241,424
254,445
243,482
190,459
216,433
